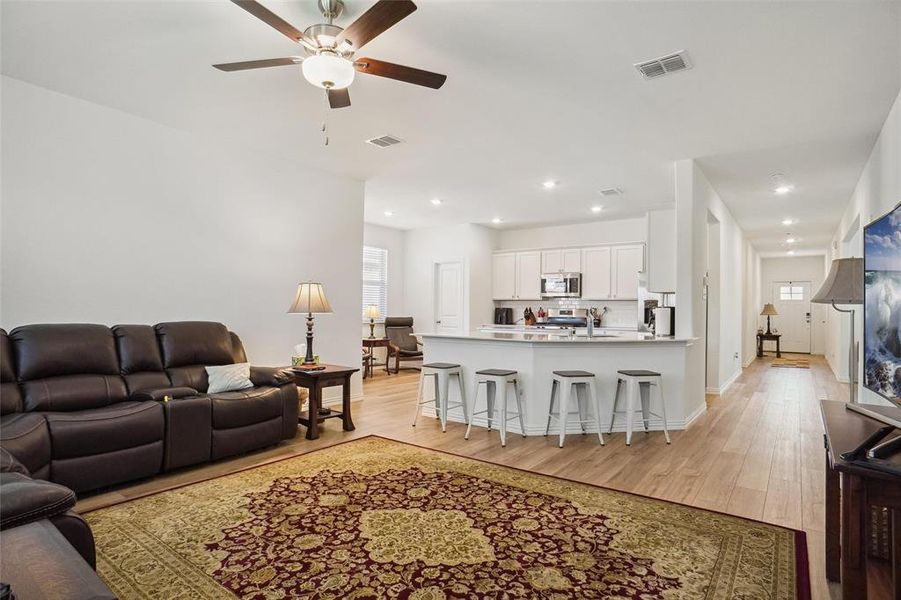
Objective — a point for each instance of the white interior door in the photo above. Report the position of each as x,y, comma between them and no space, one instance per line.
792,302
449,297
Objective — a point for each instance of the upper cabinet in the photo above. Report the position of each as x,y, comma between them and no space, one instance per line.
568,260
528,275
662,251
627,263
596,273
516,276
608,272
503,280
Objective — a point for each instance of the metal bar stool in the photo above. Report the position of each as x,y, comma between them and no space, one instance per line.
638,388
442,373
562,385
494,379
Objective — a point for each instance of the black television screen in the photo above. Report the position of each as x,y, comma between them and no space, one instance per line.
882,306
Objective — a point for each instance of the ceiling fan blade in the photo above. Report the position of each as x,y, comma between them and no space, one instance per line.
338,98
400,72
270,18
259,64
375,21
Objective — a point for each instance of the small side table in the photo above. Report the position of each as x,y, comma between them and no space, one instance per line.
315,381
375,343
761,337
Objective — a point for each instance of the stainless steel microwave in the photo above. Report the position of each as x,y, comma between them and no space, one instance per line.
561,285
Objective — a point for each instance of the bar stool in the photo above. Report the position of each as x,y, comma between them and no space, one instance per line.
442,373
638,383
494,379
562,385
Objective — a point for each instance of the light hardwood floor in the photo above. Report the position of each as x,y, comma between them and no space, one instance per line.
757,452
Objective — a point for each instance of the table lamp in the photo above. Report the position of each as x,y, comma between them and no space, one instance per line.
770,311
844,285
372,313
310,299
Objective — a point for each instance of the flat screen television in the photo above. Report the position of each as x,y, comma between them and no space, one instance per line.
882,306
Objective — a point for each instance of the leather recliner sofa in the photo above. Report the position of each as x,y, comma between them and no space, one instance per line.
82,405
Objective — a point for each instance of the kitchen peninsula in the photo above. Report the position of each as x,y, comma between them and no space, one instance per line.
535,354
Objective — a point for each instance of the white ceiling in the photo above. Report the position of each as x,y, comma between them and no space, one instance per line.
535,91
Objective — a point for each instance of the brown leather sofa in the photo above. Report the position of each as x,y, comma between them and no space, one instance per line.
82,405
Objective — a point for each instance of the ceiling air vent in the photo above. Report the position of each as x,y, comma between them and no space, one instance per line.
664,65
385,141
614,191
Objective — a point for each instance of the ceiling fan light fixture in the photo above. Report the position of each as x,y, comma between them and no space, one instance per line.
328,71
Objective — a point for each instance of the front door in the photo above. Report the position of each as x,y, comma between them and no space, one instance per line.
792,302
449,297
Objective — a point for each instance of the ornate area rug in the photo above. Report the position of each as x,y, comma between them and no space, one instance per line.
375,518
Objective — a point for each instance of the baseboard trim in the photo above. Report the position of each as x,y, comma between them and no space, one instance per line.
719,391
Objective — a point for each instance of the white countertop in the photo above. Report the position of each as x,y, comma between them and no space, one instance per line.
560,336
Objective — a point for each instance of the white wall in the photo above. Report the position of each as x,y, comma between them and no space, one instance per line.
796,268
697,204
472,245
578,234
110,218
878,190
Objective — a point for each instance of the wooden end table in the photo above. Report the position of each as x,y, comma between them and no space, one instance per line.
315,381
851,491
762,337
372,343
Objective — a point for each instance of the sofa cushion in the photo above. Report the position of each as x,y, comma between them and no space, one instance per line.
10,464
140,361
254,405
186,343
67,367
26,437
10,396
63,349
90,432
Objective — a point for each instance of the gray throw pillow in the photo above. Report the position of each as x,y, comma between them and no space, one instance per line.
228,378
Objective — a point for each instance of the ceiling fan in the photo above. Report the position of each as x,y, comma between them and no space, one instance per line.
328,60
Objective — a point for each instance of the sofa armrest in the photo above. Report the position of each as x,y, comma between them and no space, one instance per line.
270,376
172,392
26,500
10,464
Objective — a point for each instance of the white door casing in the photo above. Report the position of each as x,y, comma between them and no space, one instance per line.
792,302
449,297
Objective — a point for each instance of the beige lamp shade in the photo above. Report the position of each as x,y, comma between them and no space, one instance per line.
372,312
844,284
310,299
769,310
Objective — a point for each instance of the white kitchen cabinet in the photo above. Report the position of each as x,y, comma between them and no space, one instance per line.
627,262
596,273
503,280
662,251
516,276
568,260
528,275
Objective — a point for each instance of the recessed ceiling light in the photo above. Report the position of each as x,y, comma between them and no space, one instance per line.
790,240
781,185
790,252
436,201
388,213
597,209
496,220
549,184
788,222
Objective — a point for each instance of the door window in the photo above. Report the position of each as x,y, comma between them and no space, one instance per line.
791,292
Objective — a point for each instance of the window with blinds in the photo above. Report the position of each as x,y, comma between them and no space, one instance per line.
375,280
